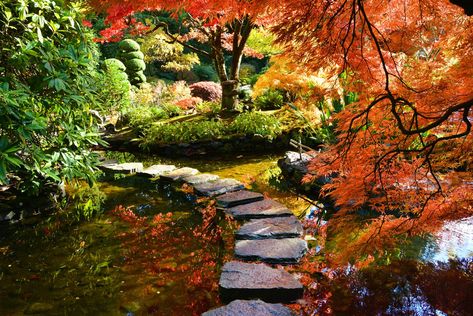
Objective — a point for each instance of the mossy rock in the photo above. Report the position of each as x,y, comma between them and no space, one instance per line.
129,45
135,65
132,55
113,63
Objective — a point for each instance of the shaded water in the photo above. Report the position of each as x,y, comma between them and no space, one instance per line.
169,265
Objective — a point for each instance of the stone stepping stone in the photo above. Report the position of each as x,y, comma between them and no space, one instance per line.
276,251
156,170
201,178
253,307
277,227
218,187
237,198
241,280
260,209
179,174
127,168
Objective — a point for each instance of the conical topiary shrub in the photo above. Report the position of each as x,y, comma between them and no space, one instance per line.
132,57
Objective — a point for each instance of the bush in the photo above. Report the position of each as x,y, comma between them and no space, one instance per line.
183,132
142,117
48,84
206,90
205,72
115,94
256,123
209,107
129,45
269,100
135,65
131,56
188,103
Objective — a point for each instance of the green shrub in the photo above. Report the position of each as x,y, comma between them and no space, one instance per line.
129,45
269,100
132,55
183,132
143,117
205,72
135,65
256,123
48,84
209,107
115,94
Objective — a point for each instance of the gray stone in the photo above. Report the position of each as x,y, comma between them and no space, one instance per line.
128,168
253,307
238,198
218,187
39,308
260,209
179,174
240,280
280,251
156,170
277,227
201,178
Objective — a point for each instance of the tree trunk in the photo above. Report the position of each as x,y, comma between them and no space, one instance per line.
230,94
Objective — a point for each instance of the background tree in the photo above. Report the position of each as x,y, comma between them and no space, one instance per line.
222,25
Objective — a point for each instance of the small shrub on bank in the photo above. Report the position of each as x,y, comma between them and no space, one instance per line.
256,123
269,100
206,90
183,132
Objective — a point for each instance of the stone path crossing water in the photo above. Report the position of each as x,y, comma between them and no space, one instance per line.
270,235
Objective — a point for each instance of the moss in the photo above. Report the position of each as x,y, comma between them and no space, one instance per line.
129,45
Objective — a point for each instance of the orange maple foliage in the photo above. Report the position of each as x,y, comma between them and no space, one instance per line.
405,148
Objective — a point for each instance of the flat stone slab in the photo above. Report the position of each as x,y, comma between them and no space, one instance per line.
261,209
156,170
179,174
277,251
218,187
201,178
128,168
237,198
253,308
241,280
277,227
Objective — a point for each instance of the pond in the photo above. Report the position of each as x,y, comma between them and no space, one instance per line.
156,252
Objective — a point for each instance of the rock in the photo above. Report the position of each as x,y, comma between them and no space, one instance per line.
179,174
254,307
128,168
240,280
39,308
218,187
260,209
201,178
277,251
156,170
238,198
278,227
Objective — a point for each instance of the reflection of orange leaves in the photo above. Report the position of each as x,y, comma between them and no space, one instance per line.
186,188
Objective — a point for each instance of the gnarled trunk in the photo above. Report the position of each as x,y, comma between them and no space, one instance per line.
230,94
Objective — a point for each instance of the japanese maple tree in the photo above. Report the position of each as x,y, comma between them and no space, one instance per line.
406,146
222,25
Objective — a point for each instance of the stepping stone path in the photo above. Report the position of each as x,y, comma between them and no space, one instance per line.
261,209
272,234
254,308
273,227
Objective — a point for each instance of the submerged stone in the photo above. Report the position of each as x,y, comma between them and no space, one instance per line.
281,251
201,178
39,308
128,168
179,174
238,198
218,187
240,280
260,209
253,307
278,227
156,170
